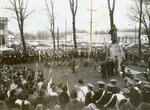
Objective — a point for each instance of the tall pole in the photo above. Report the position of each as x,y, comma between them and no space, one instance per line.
66,33
139,37
135,34
91,25
57,37
91,19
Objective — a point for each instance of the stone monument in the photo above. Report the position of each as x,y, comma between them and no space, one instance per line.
115,49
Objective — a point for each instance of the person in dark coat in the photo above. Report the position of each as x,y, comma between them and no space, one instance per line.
115,89
135,96
3,105
125,104
63,98
103,70
89,98
74,104
110,98
108,67
11,100
146,93
112,67
116,65
99,97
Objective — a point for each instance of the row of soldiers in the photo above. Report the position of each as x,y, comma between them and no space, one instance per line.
134,96
17,56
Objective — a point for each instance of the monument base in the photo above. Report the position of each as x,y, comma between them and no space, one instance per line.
116,50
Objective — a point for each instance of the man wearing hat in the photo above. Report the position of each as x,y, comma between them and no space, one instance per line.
99,96
89,98
110,99
108,69
103,70
115,89
124,103
146,93
145,105
135,95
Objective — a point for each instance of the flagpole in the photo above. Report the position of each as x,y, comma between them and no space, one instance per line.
68,90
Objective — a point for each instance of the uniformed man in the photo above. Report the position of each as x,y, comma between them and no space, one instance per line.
103,70
146,93
135,95
115,88
72,65
124,103
89,98
99,96
116,65
110,98
108,67
112,67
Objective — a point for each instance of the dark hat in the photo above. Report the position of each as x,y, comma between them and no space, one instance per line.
126,90
101,82
90,85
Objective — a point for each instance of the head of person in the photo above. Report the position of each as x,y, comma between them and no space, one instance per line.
3,95
81,82
73,94
101,84
109,87
39,107
126,92
90,86
113,81
65,88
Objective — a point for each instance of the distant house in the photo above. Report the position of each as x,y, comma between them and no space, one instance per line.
3,31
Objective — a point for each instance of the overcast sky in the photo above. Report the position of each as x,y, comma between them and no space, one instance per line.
39,21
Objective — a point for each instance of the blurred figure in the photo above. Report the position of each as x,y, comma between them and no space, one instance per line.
89,98
64,98
82,90
74,104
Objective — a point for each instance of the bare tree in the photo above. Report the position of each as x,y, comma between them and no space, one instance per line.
51,17
19,8
113,30
74,7
141,13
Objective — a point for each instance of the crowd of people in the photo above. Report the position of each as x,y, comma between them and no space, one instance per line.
132,55
48,55
23,88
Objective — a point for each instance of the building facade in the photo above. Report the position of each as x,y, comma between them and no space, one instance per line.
3,31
